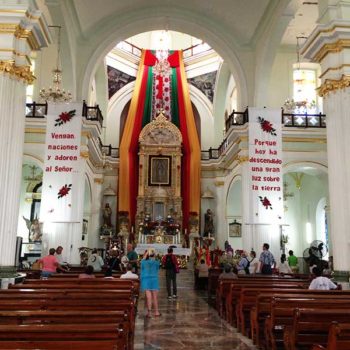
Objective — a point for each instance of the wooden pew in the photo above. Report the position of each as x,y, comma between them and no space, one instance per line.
282,310
338,337
262,309
20,336
233,295
76,275
311,326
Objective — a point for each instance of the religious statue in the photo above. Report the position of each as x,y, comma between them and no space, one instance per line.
34,228
107,216
208,223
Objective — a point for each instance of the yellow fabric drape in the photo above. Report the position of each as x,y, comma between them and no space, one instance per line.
124,185
195,150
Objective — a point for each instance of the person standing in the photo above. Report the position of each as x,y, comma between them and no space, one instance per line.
243,265
49,264
169,262
293,261
266,260
150,281
254,263
96,261
132,257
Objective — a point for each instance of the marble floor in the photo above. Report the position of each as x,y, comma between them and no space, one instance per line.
186,323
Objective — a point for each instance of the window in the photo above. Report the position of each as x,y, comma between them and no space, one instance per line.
304,90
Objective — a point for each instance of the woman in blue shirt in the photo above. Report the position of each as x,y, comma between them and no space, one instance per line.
150,281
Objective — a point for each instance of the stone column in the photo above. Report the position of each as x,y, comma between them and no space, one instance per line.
328,45
20,31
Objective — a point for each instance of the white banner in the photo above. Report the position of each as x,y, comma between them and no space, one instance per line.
63,180
265,166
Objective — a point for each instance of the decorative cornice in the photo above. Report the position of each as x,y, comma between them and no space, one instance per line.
338,46
20,72
333,85
242,159
334,69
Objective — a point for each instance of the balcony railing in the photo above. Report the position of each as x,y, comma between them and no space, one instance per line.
92,113
108,150
304,120
36,110
236,118
296,120
39,110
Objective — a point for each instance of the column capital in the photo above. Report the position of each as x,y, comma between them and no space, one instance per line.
19,72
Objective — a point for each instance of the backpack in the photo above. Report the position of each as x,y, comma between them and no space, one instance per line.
169,265
246,269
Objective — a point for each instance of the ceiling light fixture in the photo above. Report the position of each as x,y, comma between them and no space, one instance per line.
56,93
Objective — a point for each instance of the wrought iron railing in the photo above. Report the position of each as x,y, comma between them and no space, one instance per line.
305,120
296,120
236,118
92,113
36,110
108,150
39,110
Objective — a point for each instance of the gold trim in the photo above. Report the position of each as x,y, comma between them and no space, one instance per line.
333,85
35,131
8,28
84,154
304,49
304,139
242,159
86,134
338,46
12,11
219,183
20,72
98,181
333,69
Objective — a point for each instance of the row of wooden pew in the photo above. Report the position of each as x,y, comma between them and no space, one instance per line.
69,313
283,313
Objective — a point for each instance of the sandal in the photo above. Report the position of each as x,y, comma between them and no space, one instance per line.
148,315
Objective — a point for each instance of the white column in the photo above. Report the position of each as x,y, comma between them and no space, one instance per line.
327,45
12,121
19,25
338,130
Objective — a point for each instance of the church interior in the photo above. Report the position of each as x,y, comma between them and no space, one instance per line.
212,127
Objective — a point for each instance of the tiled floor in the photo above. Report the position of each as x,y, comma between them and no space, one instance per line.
186,323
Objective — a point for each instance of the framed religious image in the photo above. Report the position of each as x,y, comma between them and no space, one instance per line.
159,171
234,229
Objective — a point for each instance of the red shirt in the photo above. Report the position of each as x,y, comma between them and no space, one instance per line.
49,262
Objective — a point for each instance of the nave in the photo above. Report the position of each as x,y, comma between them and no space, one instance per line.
186,323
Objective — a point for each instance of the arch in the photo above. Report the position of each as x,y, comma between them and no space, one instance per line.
130,24
296,165
233,183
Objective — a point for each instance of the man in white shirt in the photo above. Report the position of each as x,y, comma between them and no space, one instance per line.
95,261
320,282
129,274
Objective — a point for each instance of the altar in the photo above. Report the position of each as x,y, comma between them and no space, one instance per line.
162,249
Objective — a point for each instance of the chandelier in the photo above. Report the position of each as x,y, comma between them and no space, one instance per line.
56,93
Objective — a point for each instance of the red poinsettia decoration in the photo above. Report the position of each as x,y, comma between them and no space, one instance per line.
64,190
265,202
267,126
65,117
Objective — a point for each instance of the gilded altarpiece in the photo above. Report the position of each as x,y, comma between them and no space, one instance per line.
159,194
